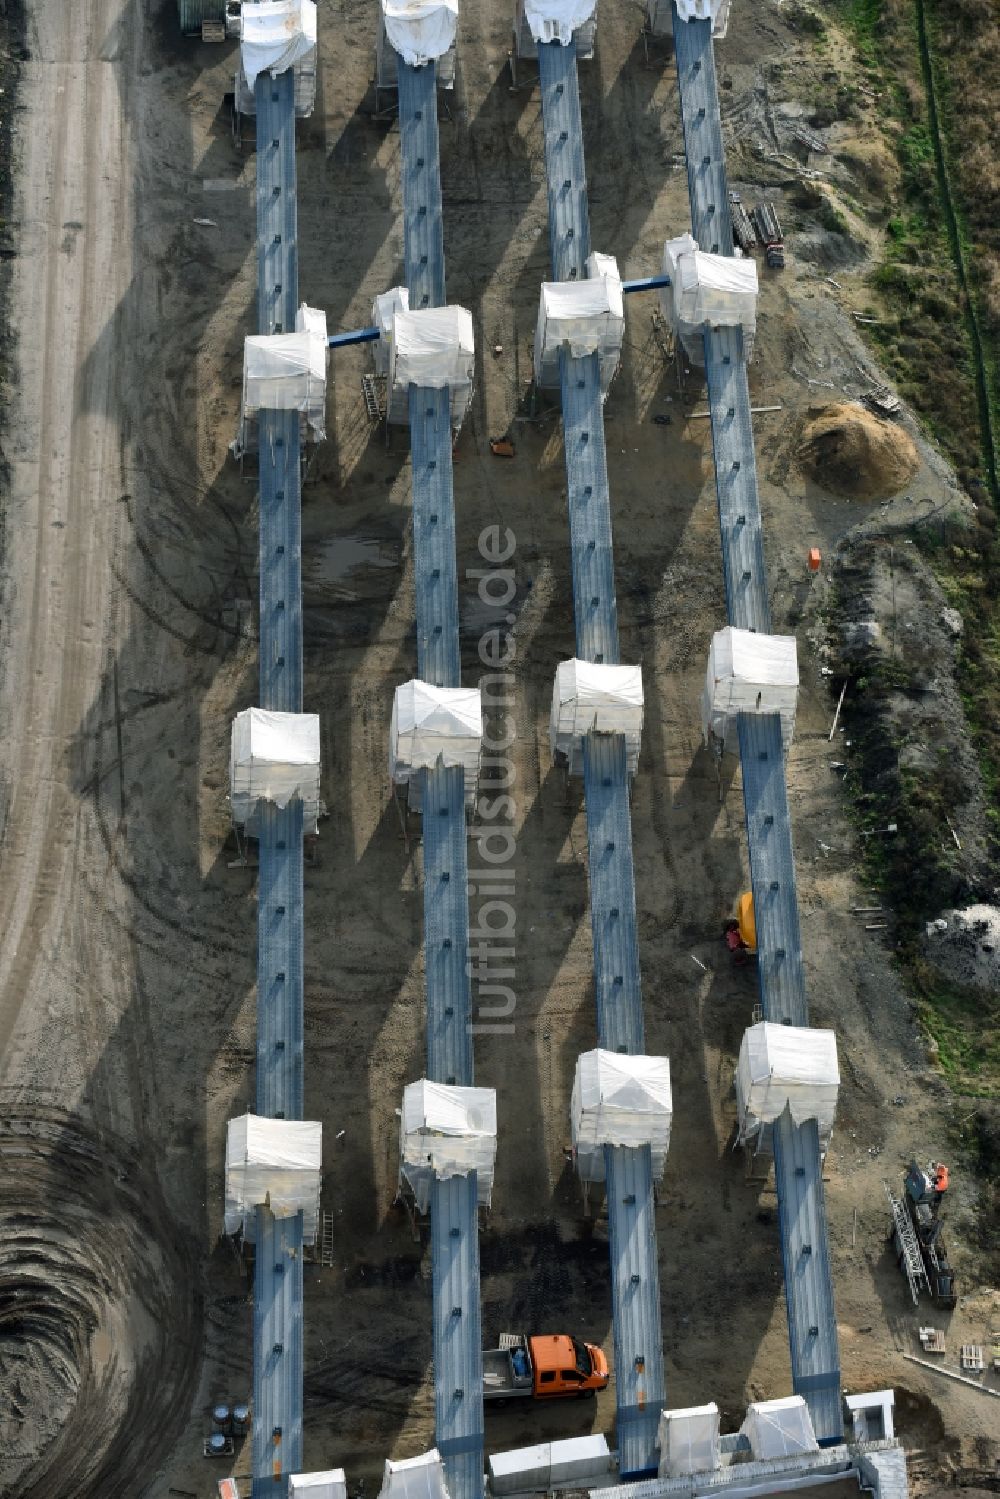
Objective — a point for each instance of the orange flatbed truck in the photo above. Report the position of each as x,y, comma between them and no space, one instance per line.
550,1367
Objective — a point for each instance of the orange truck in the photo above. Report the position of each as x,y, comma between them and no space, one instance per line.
550,1367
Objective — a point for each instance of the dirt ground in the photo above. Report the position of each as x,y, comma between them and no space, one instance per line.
127,1006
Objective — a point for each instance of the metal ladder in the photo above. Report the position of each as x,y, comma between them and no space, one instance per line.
373,388
907,1247
326,1240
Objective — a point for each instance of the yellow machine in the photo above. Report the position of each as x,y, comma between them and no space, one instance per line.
745,919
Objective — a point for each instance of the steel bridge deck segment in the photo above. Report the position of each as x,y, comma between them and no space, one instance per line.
708,184
458,1336
780,969
278,1310
640,1387
740,527
595,606
277,214
457,1323
423,221
812,1328
617,983
436,581
565,172
446,927
640,1383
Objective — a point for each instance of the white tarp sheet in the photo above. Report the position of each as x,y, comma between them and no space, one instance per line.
749,673
332,1484
578,1461
275,35
384,310
415,1478
432,348
557,20
428,722
526,44
586,697
703,10
287,371
689,1441
586,317
274,757
707,290
447,1131
786,1064
619,1100
779,1428
420,30
277,1161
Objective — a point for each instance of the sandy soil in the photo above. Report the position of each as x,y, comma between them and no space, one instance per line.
127,999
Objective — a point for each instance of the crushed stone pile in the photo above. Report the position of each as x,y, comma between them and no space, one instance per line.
849,451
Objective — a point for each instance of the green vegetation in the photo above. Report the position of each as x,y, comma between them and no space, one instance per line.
965,1025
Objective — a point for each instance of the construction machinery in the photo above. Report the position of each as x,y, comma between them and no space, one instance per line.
916,1233
542,1368
769,229
740,931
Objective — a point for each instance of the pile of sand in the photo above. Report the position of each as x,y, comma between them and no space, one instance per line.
849,451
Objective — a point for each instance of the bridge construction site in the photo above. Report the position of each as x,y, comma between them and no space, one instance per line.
424,360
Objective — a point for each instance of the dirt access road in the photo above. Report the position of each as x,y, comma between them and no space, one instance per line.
99,1319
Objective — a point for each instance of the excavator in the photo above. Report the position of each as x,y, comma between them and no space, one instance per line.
740,931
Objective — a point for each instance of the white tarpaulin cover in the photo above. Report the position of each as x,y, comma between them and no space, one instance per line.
274,757
428,722
329,1485
586,317
446,1131
779,1428
689,1441
287,371
586,697
619,1100
581,1462
701,10
748,673
557,20
420,30
526,44
275,35
277,1161
432,348
384,309
786,1064
713,290
415,1478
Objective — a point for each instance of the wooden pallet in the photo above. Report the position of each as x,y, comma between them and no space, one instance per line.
932,1340
972,1359
213,31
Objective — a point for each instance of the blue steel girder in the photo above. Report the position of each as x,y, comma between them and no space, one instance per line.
277,216
280,1043
740,527
617,983
438,653
780,968
446,926
280,562
565,170
805,1252
423,221
458,1336
640,1383
708,184
278,1354
594,600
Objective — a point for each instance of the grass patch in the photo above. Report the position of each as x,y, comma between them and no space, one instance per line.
964,1023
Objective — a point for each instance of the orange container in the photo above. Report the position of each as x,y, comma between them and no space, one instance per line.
815,558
